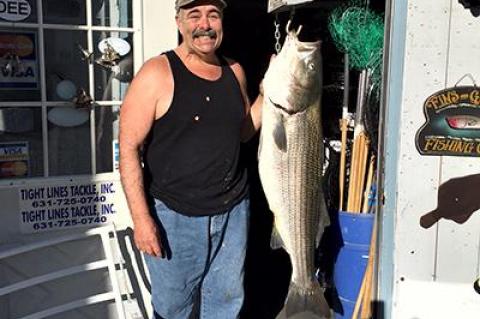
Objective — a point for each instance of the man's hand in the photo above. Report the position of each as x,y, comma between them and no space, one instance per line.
147,237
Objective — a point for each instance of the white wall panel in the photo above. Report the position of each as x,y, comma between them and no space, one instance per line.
426,53
436,300
458,245
434,268
159,27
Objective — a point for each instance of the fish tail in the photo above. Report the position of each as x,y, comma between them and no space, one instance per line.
301,300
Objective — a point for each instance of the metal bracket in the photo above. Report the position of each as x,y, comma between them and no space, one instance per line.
280,5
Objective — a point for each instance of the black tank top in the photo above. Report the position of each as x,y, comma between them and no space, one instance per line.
191,157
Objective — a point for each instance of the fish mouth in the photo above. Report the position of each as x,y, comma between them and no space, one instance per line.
284,109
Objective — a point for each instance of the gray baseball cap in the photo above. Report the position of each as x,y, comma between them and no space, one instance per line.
181,3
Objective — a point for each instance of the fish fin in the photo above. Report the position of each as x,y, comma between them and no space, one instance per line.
318,237
301,300
324,220
279,135
276,240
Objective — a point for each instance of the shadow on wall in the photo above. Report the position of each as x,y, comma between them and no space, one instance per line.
457,200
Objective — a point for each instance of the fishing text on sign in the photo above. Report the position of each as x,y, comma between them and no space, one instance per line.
63,206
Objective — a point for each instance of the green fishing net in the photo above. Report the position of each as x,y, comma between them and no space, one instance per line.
358,31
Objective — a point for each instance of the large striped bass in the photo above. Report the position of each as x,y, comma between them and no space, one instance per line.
290,166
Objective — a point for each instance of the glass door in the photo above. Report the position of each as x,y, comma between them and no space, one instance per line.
65,66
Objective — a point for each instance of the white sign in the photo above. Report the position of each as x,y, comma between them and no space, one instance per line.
67,205
275,4
14,10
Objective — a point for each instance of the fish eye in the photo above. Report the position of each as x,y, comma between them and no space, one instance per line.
311,66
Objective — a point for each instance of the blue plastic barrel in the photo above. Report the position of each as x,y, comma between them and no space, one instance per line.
352,259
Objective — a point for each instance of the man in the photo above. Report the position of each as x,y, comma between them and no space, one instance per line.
189,111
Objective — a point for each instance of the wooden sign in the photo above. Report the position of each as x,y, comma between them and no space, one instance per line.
453,123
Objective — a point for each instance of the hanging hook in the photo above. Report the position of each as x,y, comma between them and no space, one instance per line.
297,32
287,27
468,75
299,29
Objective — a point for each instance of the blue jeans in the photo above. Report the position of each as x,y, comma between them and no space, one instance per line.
202,276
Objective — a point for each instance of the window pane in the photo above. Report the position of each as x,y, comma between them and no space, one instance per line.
19,68
112,13
106,118
69,141
18,11
64,11
21,147
66,72
111,83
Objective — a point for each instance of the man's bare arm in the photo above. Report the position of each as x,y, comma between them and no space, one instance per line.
253,121
137,115
253,118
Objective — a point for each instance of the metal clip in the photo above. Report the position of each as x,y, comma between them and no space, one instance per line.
82,99
86,55
109,58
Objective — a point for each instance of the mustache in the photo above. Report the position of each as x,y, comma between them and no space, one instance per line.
208,33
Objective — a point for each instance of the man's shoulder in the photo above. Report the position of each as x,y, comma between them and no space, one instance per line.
156,64
231,62
236,68
154,69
